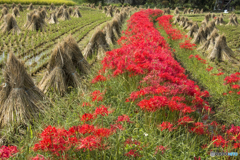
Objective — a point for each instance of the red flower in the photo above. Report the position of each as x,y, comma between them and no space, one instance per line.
97,96
160,148
87,117
132,153
101,110
187,45
86,104
185,120
166,125
124,118
99,78
219,141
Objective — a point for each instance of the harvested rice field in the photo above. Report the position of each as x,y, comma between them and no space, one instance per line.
106,82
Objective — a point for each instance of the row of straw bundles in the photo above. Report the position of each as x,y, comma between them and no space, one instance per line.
212,44
66,59
101,40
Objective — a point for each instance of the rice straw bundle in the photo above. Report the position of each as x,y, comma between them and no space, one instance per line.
185,11
10,24
177,19
176,11
20,8
53,19
100,6
13,5
206,19
77,13
97,42
188,25
109,34
117,11
4,12
197,11
61,72
109,13
37,23
29,18
105,10
21,101
15,12
59,12
70,11
209,44
64,6
199,37
52,7
201,12
194,11
213,15
5,6
231,22
65,15
192,30
72,50
30,7
182,20
221,52
188,11
235,20
221,21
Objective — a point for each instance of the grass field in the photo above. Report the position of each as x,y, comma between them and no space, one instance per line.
39,2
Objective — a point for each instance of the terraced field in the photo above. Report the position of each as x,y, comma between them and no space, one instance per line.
34,48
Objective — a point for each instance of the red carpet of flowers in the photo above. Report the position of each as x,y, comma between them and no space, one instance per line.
164,86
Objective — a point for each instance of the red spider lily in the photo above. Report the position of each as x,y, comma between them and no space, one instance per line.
55,141
38,157
7,152
85,129
199,128
97,96
115,127
218,74
101,110
187,45
87,117
185,120
166,125
219,141
209,68
160,148
133,153
86,104
124,118
103,132
191,56
99,78
204,146
131,141
199,158
90,143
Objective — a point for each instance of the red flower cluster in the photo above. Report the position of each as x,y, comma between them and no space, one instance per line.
233,81
99,78
85,137
7,152
201,60
187,45
164,21
97,96
101,110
